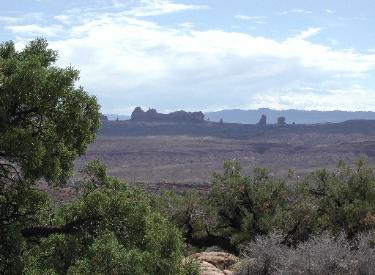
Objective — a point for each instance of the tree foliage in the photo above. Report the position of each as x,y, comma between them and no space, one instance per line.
115,231
240,208
45,123
45,120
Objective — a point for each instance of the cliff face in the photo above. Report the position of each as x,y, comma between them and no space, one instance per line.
153,116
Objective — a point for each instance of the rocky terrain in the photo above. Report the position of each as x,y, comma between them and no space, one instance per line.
214,263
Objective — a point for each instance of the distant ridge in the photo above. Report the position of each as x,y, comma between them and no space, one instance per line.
232,130
152,115
292,115
296,116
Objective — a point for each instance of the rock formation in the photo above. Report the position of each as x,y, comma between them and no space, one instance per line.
153,116
263,120
215,263
281,121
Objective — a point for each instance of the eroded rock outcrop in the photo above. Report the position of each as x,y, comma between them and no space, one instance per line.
215,263
262,120
281,121
153,116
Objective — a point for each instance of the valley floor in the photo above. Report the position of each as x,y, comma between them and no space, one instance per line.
177,161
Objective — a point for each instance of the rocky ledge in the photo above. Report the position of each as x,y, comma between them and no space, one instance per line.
215,263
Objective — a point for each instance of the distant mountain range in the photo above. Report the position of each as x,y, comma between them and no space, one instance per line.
296,116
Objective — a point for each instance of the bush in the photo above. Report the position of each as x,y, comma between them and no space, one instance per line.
240,208
247,206
344,199
321,254
115,231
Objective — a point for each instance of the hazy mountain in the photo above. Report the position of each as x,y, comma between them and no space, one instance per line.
297,116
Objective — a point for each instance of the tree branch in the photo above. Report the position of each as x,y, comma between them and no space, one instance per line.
6,168
69,228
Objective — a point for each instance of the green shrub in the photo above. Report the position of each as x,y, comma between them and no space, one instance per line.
239,208
115,232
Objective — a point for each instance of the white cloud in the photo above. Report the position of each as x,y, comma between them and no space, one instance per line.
328,11
296,11
158,7
188,25
246,17
36,16
127,61
9,19
349,99
64,18
308,33
33,30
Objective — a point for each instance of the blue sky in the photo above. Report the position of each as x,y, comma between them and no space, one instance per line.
208,55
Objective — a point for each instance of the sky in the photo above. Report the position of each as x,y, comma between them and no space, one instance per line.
208,55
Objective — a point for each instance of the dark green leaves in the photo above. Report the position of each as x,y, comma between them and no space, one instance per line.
46,122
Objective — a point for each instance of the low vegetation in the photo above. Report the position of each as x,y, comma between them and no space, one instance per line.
321,254
238,208
319,224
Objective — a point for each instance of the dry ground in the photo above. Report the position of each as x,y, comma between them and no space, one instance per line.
184,161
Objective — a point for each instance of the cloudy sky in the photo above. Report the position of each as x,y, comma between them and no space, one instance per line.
208,54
